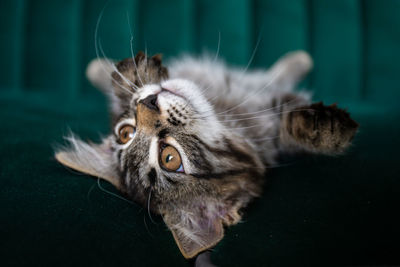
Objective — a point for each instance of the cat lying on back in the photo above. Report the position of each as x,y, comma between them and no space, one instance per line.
193,141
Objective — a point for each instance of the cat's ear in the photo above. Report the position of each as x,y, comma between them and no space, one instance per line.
120,80
195,228
114,80
93,159
132,73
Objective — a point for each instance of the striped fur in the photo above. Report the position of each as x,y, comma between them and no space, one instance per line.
228,126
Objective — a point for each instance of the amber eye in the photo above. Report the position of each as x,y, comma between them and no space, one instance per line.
126,133
170,159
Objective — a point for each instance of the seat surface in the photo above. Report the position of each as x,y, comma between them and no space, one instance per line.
319,210
314,211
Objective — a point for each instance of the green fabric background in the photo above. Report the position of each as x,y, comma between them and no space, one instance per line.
315,210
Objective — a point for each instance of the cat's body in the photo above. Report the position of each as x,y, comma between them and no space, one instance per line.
193,142
250,104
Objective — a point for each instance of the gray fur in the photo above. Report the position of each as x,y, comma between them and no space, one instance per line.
228,125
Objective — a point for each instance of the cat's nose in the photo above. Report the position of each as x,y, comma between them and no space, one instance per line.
150,102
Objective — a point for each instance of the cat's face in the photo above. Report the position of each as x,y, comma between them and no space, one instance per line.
164,138
177,158
169,141
169,152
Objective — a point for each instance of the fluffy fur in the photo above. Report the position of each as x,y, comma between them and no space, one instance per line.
228,126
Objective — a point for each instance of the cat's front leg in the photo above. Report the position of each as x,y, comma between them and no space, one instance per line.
290,69
318,128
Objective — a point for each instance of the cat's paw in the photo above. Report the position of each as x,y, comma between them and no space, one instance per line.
324,129
139,71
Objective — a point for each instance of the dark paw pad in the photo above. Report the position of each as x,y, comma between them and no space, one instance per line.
325,128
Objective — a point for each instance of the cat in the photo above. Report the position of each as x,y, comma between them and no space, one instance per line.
193,140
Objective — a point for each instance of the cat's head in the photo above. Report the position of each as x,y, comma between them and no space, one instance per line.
169,152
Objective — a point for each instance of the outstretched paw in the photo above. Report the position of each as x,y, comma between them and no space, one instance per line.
139,71
320,128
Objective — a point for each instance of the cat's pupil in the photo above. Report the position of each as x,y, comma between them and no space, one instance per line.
168,158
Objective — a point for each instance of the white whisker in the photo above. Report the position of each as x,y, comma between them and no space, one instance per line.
215,59
134,62
262,116
270,82
252,56
287,104
133,86
265,138
147,62
247,66
131,47
97,49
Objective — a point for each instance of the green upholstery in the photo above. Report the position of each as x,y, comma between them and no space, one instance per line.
315,210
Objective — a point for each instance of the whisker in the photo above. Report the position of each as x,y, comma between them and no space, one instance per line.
134,62
131,46
90,191
262,116
147,61
218,47
214,60
97,48
111,193
275,76
288,104
252,55
147,228
133,86
248,64
115,69
264,138
148,206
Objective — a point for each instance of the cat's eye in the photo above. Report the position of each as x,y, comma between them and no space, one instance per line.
170,159
126,133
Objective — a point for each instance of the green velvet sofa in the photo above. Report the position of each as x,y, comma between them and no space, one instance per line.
318,211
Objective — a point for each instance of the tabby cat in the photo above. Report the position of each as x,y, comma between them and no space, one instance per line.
194,140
